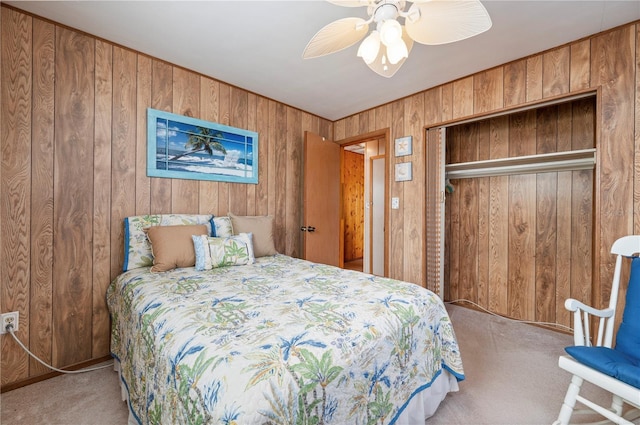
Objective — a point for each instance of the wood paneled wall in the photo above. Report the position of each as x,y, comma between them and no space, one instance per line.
510,239
353,204
73,165
73,142
606,62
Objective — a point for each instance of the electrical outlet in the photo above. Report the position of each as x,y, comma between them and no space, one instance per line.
9,319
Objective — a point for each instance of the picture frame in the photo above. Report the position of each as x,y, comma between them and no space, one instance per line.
404,171
183,147
404,146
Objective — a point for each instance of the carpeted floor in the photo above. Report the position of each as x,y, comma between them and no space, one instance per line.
511,372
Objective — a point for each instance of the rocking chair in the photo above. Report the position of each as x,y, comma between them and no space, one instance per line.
616,370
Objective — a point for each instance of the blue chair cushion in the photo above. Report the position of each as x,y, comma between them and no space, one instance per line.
628,336
610,362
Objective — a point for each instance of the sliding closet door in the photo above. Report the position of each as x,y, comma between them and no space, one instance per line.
435,210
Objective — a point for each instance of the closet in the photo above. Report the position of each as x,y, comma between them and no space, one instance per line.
516,208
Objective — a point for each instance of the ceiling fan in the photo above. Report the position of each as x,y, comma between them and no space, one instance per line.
385,49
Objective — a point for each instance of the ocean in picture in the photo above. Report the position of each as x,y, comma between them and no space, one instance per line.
231,164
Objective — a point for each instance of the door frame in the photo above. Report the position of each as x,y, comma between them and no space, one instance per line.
383,137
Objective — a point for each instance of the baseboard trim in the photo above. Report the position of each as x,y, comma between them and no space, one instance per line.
23,383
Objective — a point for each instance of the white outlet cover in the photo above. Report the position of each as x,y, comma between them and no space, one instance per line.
395,203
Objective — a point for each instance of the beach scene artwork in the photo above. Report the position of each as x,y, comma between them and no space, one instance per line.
189,148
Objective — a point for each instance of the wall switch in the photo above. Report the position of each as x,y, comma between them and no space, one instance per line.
395,203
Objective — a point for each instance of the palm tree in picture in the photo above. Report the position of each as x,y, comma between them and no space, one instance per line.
204,141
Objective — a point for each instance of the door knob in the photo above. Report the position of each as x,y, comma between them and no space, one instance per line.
311,229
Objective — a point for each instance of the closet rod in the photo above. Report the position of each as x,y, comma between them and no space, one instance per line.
562,161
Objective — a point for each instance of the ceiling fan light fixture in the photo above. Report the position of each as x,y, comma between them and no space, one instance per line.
397,51
369,47
384,51
390,32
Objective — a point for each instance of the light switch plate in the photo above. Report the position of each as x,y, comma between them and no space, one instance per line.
395,203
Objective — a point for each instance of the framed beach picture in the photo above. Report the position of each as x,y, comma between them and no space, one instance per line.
403,146
182,147
403,172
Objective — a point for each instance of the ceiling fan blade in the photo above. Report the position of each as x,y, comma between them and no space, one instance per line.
350,3
336,36
385,68
446,21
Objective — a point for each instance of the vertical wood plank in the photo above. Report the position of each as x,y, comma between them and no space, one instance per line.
186,101
224,110
468,189
352,125
162,100
414,194
447,101
251,125
522,262
262,123
499,220
545,246
582,196
563,218
271,160
293,196
564,247
123,162
488,90
483,220
515,83
522,207
143,100
453,213
463,97
339,132
208,190
534,78
580,73
238,118
280,163
556,72
384,117
432,106
42,194
15,184
396,233
102,255
73,194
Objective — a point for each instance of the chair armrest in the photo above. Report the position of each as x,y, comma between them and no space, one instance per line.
581,323
574,305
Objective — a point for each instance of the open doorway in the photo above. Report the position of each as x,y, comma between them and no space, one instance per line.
364,205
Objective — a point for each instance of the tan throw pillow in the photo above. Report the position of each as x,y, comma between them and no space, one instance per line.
172,246
262,229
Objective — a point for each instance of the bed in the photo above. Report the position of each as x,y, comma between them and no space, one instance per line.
279,340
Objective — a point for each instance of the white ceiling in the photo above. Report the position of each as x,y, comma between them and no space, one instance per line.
257,45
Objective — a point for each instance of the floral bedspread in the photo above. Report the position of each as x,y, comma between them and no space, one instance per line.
282,341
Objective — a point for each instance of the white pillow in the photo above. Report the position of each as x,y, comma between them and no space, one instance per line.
214,252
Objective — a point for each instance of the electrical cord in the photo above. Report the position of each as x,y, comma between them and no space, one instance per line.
9,329
531,322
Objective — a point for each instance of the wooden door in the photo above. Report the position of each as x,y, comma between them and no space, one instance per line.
321,226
